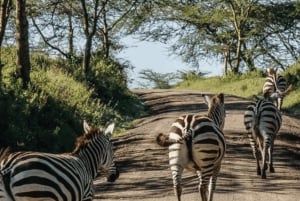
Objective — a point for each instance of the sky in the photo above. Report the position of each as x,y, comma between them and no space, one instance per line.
155,56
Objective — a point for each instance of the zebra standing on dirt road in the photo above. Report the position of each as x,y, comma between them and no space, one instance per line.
35,176
197,143
262,121
276,83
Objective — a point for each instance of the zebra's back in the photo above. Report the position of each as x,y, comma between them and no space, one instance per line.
32,175
264,115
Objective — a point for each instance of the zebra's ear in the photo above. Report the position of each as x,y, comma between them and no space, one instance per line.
86,127
109,130
206,99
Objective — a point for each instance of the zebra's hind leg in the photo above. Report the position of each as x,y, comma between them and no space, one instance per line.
271,168
212,183
264,164
256,156
203,187
176,173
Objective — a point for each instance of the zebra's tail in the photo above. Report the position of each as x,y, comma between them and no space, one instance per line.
164,140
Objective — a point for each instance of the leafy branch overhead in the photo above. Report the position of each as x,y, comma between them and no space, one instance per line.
242,34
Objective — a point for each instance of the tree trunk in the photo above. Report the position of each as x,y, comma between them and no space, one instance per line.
89,32
226,57
87,55
106,44
22,44
70,36
6,7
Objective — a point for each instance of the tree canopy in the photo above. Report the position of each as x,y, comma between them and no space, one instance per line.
244,34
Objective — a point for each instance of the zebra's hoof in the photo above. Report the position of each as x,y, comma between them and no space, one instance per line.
272,170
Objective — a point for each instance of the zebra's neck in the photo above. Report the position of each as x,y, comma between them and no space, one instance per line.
90,156
216,114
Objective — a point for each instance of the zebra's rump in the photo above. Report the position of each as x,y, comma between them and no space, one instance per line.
204,140
35,175
264,116
208,143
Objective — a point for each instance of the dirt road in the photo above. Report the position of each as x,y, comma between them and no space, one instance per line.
145,174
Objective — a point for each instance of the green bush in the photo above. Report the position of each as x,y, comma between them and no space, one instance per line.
109,80
48,115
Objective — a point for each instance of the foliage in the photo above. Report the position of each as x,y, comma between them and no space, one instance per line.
291,101
157,80
191,75
108,78
48,115
242,34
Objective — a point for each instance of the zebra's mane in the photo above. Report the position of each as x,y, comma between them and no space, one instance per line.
4,152
86,138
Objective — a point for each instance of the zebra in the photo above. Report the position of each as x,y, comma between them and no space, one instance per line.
262,120
276,83
196,142
35,176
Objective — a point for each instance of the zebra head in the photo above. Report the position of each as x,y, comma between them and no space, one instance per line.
96,150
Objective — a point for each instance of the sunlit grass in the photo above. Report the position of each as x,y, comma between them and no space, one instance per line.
248,85
245,88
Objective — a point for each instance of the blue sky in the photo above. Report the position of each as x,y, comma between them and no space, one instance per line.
155,56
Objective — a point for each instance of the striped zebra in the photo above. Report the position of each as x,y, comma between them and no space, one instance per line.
36,176
276,83
262,121
197,143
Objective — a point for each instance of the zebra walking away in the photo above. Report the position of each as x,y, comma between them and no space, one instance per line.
276,83
36,176
262,121
197,143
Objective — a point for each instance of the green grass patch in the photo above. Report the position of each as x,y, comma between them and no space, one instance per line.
247,85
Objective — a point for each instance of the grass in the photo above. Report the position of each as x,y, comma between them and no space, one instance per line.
245,88
248,85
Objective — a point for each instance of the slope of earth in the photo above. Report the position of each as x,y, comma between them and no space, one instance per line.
143,164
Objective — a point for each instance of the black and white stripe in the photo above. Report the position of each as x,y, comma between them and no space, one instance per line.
197,143
35,176
275,83
262,121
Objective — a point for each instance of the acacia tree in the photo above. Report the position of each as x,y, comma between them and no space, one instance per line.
157,80
242,33
22,45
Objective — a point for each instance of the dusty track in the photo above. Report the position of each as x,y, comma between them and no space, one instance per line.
145,173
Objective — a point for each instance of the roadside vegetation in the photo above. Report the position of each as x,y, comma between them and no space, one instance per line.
48,115
247,85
